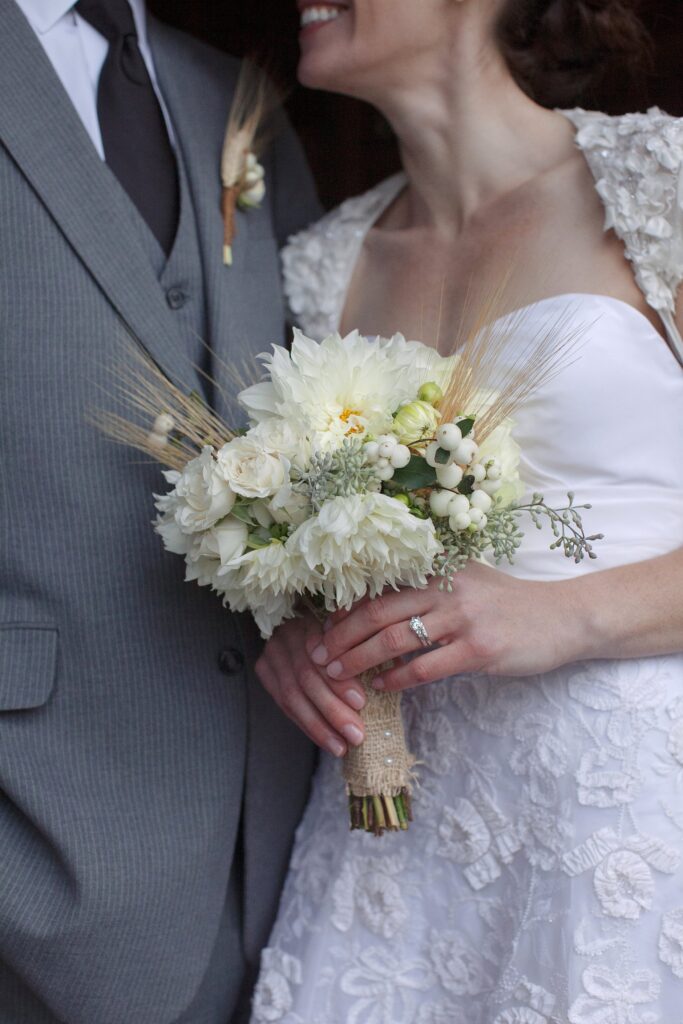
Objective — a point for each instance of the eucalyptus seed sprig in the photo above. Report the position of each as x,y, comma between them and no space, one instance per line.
566,524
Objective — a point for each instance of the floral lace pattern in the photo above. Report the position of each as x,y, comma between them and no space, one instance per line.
543,880
318,262
637,161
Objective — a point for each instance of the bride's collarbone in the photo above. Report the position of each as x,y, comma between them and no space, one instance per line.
418,280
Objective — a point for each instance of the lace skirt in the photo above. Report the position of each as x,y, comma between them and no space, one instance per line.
541,882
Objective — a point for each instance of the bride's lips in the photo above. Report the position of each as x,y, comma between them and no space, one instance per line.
315,15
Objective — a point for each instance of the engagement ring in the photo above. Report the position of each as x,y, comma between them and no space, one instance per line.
420,630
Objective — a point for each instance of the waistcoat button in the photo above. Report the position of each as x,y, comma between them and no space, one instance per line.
176,298
230,661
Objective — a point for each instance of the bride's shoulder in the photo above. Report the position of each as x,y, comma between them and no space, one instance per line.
317,262
637,163
646,143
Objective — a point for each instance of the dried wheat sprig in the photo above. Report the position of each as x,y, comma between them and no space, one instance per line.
143,388
254,101
491,360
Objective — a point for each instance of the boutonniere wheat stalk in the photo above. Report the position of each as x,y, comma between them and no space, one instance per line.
242,176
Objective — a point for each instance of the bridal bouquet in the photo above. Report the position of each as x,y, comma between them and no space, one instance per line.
365,464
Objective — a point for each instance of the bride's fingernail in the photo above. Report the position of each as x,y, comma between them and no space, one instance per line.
319,655
355,699
336,747
335,668
353,734
378,683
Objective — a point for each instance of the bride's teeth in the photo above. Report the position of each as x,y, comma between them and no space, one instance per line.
315,15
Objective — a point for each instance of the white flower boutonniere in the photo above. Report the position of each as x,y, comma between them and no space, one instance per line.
242,176
253,189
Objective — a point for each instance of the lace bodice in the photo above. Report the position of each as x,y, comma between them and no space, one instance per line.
637,163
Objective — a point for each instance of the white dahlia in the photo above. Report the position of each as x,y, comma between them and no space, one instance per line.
360,544
342,385
261,582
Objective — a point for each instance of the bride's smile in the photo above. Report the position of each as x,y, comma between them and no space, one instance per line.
322,23
358,46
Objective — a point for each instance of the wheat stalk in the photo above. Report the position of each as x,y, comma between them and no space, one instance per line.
254,101
486,363
143,388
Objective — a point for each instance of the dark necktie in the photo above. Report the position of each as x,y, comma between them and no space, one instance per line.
136,143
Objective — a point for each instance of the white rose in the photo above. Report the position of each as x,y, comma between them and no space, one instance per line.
290,507
226,541
278,437
253,196
251,470
202,495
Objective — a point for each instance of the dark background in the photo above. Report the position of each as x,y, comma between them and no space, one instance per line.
349,146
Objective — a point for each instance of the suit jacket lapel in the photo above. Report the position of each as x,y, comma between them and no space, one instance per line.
46,138
200,114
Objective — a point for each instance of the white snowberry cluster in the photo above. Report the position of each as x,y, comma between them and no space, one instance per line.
387,455
456,459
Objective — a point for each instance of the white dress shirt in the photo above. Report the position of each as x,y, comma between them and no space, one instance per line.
77,52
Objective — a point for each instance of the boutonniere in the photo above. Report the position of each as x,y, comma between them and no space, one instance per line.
242,176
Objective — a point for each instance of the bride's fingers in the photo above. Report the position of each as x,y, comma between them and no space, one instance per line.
285,690
396,640
449,660
367,619
334,711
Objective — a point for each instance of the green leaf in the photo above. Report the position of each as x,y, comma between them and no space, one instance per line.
415,475
442,456
259,539
243,513
466,425
466,485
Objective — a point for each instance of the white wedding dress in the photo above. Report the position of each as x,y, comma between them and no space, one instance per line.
542,881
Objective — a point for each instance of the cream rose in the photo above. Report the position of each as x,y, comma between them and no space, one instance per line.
250,470
278,437
226,541
202,494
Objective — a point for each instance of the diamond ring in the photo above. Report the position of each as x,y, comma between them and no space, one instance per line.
420,630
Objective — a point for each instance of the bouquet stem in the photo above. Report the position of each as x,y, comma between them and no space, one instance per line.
379,773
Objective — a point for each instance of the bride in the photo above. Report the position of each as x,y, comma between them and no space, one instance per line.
542,880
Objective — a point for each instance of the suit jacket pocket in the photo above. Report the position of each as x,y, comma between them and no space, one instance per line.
28,663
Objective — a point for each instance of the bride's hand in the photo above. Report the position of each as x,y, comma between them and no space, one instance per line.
321,708
490,622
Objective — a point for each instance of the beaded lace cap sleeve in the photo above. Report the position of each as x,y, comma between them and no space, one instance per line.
637,162
318,263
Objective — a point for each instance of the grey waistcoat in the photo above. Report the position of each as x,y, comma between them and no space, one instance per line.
180,274
131,730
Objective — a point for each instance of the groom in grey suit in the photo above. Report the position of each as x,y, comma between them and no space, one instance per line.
148,792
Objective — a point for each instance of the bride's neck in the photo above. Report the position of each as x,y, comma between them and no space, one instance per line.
468,134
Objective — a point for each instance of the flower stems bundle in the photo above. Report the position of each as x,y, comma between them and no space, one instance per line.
379,773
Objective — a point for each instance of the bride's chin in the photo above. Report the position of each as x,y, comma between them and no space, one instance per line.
318,70
326,55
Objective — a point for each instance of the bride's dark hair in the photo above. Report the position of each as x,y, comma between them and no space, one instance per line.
559,49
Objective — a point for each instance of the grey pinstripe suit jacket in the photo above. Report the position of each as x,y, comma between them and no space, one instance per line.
124,751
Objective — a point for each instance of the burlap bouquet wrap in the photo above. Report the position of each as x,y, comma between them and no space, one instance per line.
382,765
